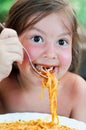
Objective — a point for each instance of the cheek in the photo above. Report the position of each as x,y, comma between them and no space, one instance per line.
33,51
65,59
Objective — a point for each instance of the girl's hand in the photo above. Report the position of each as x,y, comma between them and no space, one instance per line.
11,50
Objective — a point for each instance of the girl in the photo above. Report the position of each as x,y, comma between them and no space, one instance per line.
48,31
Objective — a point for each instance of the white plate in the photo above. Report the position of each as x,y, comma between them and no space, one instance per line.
28,116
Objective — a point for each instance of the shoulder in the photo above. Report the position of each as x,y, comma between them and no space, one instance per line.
7,89
75,79
76,87
75,84
3,90
8,82
79,85
7,86
79,82
5,83
79,97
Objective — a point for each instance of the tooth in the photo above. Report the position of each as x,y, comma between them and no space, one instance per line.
49,68
39,67
42,68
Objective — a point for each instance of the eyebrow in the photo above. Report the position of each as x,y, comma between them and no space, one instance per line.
66,33
62,34
37,29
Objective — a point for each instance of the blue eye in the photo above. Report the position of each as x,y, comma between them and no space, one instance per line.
37,39
62,42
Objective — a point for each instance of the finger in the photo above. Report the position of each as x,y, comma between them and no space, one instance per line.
8,33
14,58
16,51
11,41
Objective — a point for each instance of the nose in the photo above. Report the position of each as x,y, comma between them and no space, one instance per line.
50,51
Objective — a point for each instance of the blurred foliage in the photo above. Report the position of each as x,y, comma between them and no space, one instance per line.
4,7
79,6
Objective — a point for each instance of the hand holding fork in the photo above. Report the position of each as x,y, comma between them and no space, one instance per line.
13,52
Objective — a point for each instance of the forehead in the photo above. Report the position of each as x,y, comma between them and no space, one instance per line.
55,20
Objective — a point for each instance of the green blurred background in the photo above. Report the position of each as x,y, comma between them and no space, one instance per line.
79,5
80,8
4,8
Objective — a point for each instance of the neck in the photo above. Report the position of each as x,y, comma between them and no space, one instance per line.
29,82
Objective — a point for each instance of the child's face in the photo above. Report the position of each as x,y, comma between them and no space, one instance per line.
49,43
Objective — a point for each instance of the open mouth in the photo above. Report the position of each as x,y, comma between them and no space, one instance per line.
44,69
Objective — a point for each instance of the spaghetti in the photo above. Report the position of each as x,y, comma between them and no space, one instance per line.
50,83
32,125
